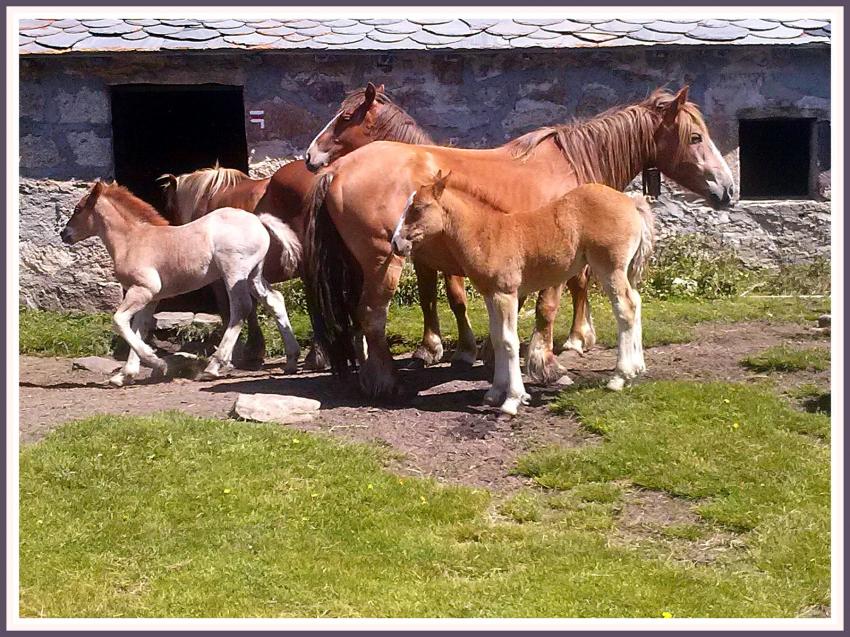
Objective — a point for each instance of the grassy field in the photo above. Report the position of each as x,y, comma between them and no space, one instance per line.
176,516
782,358
45,333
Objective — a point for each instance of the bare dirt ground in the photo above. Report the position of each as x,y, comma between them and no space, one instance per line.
443,431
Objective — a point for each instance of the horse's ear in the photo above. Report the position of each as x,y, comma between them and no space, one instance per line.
97,188
440,181
371,91
167,181
675,105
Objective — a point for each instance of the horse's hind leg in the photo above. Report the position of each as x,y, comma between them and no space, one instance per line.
582,334
377,375
255,346
240,305
430,350
135,300
274,301
467,350
140,324
626,303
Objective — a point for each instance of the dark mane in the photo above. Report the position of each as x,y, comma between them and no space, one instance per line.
392,123
130,206
611,147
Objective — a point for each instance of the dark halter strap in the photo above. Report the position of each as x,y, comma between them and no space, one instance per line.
651,178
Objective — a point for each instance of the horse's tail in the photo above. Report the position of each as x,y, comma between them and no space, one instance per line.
647,239
291,250
333,281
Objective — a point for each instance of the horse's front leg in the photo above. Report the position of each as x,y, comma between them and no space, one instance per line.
467,350
377,375
582,334
135,300
239,293
542,364
502,308
430,350
140,324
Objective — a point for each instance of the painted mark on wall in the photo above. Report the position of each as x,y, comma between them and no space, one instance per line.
258,117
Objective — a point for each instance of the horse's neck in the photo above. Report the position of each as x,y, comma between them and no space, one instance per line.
116,231
635,148
463,223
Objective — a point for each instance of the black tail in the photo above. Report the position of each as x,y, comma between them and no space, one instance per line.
333,281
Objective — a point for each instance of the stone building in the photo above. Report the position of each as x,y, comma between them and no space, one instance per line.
132,99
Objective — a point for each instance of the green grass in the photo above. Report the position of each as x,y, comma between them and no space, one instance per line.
46,333
747,460
171,515
783,358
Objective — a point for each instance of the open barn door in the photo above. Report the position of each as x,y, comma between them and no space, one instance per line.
175,129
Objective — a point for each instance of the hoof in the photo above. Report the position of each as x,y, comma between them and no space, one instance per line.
511,404
291,367
545,371
414,363
216,370
617,383
427,356
494,397
251,365
574,345
463,360
119,380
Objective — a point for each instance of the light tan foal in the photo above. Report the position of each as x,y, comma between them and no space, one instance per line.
155,261
507,255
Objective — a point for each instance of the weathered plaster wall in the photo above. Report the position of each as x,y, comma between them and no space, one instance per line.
470,99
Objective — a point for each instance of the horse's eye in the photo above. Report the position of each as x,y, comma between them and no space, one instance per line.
696,138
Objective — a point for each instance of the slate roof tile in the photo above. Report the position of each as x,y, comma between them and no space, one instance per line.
718,34
510,29
57,36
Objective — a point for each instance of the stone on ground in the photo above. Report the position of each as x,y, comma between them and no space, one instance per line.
207,319
97,364
275,408
171,320
824,320
184,365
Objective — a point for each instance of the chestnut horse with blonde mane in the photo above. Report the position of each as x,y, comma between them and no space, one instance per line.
356,206
511,254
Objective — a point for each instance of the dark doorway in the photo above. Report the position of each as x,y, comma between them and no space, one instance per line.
775,157
175,129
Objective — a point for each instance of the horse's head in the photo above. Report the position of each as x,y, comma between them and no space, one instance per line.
422,216
84,220
348,130
168,183
685,153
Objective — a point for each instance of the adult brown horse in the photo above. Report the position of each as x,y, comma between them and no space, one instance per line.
358,199
369,115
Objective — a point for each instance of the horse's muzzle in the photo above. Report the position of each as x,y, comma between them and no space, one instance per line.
67,236
401,247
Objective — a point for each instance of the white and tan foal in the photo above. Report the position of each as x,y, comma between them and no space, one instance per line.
155,261
507,255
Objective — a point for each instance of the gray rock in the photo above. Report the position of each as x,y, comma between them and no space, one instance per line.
172,320
825,320
275,408
91,150
184,365
97,364
207,319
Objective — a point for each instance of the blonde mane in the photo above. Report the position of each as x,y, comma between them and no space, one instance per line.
205,183
392,123
131,207
612,147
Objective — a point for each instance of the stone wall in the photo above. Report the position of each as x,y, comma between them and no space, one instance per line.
473,99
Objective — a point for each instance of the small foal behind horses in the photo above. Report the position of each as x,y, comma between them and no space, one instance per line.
507,255
155,261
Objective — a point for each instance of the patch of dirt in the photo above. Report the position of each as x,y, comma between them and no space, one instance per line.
664,523
443,432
